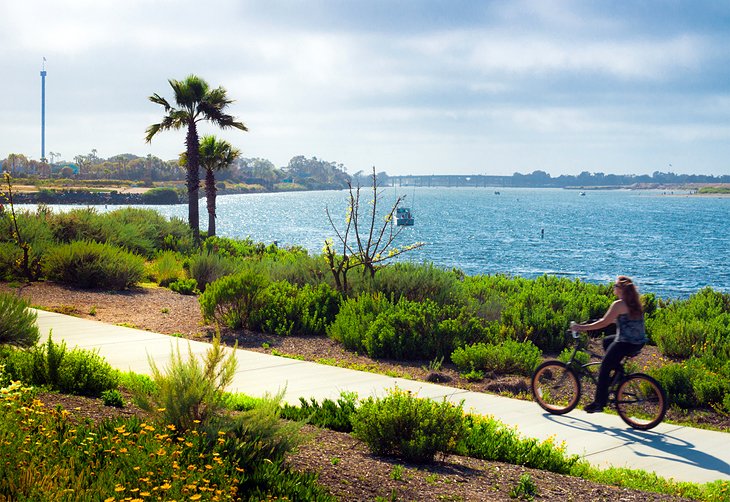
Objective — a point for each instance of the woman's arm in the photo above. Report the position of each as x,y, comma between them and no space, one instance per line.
617,308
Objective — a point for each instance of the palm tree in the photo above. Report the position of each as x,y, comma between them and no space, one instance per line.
215,155
196,102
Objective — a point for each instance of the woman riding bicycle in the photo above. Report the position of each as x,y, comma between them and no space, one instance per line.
630,337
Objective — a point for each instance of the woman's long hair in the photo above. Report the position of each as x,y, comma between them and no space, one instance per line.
630,296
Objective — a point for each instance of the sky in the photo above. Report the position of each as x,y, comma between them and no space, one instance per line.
410,87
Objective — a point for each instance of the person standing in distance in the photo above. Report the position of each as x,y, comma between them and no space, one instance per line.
628,314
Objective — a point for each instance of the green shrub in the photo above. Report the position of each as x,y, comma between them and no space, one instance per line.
78,225
508,357
334,415
297,267
187,393
87,264
85,373
417,283
10,256
185,287
404,426
409,330
167,268
78,371
285,309
145,231
160,195
355,317
209,267
691,384
488,439
538,310
17,323
231,299
113,398
695,326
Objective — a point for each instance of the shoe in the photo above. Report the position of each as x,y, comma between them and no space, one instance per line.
594,407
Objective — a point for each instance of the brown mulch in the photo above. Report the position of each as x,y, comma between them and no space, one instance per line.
344,465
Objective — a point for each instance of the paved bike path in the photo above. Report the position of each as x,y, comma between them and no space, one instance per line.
672,451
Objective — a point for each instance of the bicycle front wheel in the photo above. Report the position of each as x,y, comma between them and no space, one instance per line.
556,387
641,401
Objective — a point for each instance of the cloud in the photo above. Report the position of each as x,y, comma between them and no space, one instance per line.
415,85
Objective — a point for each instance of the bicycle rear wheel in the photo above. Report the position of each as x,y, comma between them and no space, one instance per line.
641,401
556,387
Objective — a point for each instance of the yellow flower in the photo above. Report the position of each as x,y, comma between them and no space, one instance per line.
197,496
118,488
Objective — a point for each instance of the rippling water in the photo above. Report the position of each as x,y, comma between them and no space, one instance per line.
672,245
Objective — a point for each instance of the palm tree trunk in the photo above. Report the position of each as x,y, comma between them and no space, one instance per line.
193,179
210,193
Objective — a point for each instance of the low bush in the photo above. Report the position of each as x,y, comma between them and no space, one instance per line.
408,330
404,426
10,257
231,299
418,283
694,326
87,265
17,323
167,268
333,415
78,371
78,225
161,195
489,439
285,309
691,384
113,398
185,287
355,317
209,267
508,357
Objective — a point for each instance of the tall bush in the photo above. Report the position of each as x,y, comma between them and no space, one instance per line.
190,392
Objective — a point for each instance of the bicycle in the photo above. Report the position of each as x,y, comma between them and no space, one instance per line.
638,398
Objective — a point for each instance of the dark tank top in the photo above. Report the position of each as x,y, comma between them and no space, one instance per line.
631,330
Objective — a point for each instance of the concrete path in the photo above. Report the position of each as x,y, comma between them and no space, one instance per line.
682,453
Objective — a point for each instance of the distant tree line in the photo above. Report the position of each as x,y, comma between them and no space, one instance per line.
544,180
300,173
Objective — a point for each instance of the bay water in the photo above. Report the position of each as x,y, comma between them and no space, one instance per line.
671,243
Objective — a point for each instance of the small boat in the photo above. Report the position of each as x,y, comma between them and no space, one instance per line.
496,193
404,217
582,194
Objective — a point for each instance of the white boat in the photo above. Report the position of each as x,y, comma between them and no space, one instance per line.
582,194
404,217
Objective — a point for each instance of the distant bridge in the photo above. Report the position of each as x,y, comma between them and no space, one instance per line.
444,180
